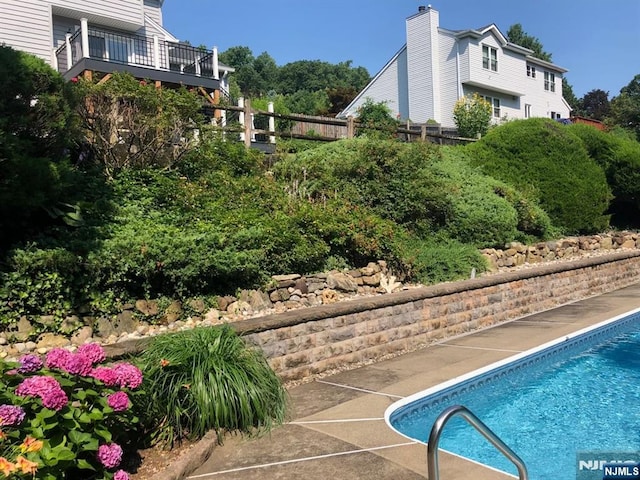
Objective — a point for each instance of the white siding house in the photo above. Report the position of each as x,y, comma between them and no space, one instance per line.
436,67
83,37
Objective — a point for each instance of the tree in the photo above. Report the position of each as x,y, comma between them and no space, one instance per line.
472,115
237,57
308,103
37,131
132,124
340,98
569,96
595,104
625,108
266,67
517,35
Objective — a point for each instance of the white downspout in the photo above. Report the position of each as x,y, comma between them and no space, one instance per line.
458,83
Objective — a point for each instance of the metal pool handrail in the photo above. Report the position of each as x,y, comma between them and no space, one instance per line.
475,422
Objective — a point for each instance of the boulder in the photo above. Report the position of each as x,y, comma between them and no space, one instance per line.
341,281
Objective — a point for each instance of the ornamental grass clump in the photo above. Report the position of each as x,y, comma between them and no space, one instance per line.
208,379
67,416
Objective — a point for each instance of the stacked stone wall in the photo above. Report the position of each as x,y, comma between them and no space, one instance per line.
305,342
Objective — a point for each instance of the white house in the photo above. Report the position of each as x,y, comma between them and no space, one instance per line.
87,37
436,67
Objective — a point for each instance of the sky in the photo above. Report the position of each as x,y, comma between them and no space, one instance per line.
597,41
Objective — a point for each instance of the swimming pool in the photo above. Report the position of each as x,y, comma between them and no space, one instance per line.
575,394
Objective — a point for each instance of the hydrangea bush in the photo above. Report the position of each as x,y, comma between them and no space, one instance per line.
67,415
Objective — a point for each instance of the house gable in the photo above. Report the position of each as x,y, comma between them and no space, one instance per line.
442,65
389,85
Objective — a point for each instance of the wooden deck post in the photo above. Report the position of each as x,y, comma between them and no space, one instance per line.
350,127
217,114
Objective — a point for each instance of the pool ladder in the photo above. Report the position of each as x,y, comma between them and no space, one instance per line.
475,422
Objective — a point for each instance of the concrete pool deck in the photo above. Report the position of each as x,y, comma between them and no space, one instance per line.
337,429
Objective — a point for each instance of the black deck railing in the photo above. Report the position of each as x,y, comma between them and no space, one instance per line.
136,50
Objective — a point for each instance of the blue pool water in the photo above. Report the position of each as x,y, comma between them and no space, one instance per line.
554,407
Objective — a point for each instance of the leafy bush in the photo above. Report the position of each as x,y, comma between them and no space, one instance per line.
208,379
486,212
472,116
441,259
131,124
619,156
68,413
393,179
544,160
39,282
375,121
36,129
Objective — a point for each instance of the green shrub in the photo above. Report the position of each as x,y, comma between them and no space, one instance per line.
393,179
376,121
624,179
36,130
619,156
39,282
208,379
486,212
545,161
472,116
130,123
441,259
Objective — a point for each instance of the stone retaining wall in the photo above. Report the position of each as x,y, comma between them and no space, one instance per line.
300,343
516,254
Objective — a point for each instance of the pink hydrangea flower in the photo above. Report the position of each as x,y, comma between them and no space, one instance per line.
46,388
78,364
93,351
119,401
121,475
128,375
29,363
11,415
110,455
57,358
106,375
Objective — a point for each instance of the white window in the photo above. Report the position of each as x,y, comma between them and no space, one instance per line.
527,110
495,105
531,71
549,81
489,58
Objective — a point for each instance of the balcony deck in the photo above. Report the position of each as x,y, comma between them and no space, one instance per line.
150,58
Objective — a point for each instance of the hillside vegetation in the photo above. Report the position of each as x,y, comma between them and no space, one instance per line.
217,218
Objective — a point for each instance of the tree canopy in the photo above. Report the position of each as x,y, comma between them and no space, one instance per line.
595,104
625,108
517,35
309,86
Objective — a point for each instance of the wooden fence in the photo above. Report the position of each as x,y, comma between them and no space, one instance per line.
241,119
